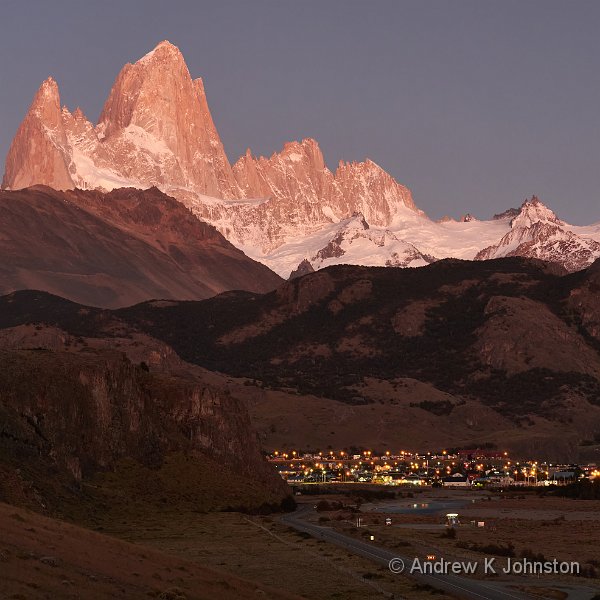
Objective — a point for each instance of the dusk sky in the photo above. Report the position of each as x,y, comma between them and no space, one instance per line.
473,105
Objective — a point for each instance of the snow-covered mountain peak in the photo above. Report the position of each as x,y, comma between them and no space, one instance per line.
155,129
351,241
163,51
536,232
46,102
356,222
534,211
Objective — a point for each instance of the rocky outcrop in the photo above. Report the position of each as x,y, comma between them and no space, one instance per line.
304,268
84,412
510,213
300,195
583,301
514,338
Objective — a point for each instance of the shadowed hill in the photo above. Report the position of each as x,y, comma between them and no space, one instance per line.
117,249
501,345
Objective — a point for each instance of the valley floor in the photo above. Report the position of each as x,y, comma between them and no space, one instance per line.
175,555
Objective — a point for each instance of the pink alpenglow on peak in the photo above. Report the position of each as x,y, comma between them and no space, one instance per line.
536,232
156,129
39,152
302,195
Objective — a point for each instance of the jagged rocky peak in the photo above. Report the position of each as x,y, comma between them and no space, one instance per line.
307,149
536,232
46,102
164,51
304,268
39,151
534,211
149,94
297,172
378,195
158,107
79,115
155,129
296,154
359,219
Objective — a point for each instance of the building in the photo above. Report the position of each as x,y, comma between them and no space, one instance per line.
456,480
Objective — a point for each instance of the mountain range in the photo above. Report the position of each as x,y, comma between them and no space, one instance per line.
156,130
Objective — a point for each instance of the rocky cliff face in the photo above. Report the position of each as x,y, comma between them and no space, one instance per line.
583,301
155,109
85,412
511,340
40,152
303,195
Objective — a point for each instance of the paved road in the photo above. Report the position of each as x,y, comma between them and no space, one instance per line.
462,587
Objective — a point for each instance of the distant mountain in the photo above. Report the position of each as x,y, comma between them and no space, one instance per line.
536,232
352,241
532,231
301,196
117,249
156,129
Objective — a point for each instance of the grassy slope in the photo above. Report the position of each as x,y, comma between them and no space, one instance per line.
43,558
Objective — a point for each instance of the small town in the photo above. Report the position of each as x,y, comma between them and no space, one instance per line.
473,468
